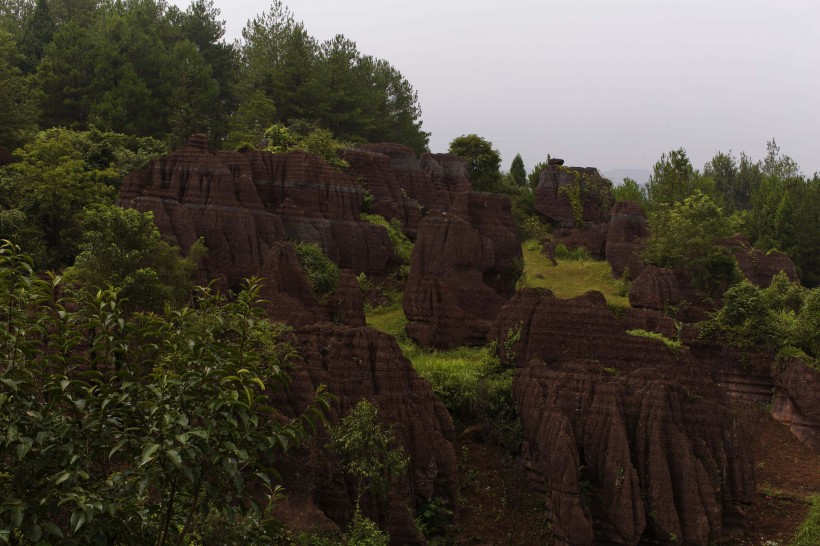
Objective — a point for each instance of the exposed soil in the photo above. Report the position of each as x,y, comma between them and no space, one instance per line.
787,474
498,507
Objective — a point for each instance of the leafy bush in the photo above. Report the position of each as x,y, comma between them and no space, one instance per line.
684,235
124,248
578,254
402,246
782,317
151,426
321,271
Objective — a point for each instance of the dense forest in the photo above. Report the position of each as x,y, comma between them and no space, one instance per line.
142,402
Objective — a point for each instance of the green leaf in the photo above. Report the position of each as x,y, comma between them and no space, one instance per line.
148,453
52,529
34,533
174,456
116,448
77,520
24,447
62,476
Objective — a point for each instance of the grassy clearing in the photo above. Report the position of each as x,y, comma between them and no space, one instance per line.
570,278
468,380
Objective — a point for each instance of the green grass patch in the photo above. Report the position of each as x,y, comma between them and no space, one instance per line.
673,345
809,532
468,380
570,278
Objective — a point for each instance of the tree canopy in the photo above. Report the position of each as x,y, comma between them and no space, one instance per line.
147,68
483,161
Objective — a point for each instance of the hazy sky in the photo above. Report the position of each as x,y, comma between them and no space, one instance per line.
611,84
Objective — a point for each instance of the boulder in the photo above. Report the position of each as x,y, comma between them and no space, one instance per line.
758,266
589,236
626,230
364,364
463,268
552,195
797,400
655,288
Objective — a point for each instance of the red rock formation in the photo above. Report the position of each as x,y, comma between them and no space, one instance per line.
758,266
553,202
362,363
290,299
404,186
463,268
628,438
589,236
626,230
655,288
243,202
797,400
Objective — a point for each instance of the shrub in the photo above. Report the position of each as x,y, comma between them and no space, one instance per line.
149,426
579,254
321,271
402,246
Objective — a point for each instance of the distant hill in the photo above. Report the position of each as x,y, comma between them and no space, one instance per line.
641,176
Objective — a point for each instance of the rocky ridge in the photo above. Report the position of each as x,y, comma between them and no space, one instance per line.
628,438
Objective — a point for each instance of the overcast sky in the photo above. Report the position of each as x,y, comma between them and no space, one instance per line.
611,84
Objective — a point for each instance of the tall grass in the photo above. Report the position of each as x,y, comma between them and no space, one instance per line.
809,532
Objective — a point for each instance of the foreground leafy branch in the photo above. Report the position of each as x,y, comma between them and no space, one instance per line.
150,430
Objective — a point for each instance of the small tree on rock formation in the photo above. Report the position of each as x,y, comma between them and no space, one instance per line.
483,162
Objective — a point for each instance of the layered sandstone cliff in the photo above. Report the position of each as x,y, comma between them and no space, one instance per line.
629,438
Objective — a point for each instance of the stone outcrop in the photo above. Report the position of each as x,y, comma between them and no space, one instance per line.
404,186
628,438
758,266
290,299
626,230
655,288
242,203
556,183
797,400
356,364
463,268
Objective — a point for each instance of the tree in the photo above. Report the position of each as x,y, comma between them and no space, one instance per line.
38,29
149,429
518,172
535,174
483,162
674,179
124,248
18,113
684,235
201,26
58,175
630,191
195,102
366,450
